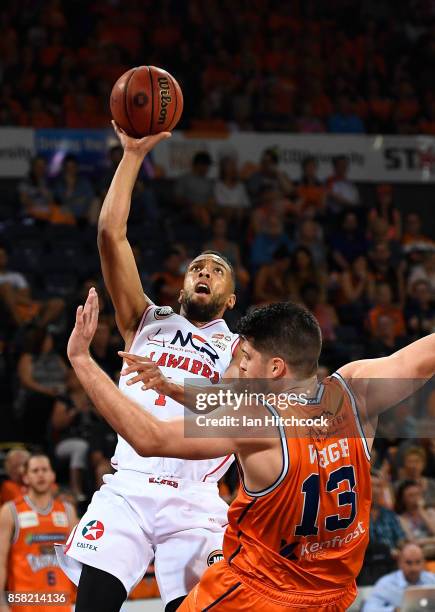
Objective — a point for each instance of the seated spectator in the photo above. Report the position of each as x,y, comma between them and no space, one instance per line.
383,270
102,442
385,210
379,106
344,120
355,292
269,203
415,244
271,280
425,271
269,176
73,190
35,196
71,422
418,521
15,293
102,349
307,122
384,307
420,310
311,296
228,248
348,242
413,238
42,377
167,284
384,341
309,235
303,271
194,191
387,594
267,241
229,192
342,194
385,526
14,485
114,157
311,191
414,465
427,122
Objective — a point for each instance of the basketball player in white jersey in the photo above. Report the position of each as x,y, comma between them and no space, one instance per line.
155,507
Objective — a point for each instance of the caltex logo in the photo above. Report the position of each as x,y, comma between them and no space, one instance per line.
93,530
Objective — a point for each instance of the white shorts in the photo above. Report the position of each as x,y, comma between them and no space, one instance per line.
136,517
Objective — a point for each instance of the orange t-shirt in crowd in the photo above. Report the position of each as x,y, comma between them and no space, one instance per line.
393,313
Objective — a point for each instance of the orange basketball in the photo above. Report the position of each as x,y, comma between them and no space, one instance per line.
146,100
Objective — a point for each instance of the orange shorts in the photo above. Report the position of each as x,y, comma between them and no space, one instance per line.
221,589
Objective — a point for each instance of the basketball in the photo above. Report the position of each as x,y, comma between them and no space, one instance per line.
146,100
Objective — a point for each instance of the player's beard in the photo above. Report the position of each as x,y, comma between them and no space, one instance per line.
203,313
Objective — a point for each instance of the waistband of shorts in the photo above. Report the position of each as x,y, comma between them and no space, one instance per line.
344,595
165,479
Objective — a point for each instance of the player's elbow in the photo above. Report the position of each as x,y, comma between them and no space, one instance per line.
107,235
149,443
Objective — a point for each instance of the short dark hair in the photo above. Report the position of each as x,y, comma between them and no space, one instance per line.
32,456
272,153
399,507
338,158
70,157
308,160
225,259
287,330
202,157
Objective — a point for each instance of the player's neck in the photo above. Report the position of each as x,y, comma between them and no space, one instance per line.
41,501
307,386
201,323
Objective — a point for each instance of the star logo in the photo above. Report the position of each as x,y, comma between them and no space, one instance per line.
93,530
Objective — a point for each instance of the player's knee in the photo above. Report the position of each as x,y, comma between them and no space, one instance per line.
173,605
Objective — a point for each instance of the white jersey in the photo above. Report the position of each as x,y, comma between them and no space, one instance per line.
182,351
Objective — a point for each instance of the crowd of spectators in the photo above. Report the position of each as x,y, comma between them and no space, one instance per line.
341,66
365,269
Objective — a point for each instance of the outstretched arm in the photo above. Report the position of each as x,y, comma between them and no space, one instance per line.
120,272
147,435
149,376
389,380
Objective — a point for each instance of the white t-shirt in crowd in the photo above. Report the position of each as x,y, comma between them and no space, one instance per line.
232,197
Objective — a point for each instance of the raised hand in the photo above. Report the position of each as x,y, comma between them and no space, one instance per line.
84,328
141,146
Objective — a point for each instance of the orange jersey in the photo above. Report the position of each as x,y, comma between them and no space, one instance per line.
305,536
32,564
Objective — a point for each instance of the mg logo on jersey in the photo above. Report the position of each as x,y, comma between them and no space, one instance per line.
196,342
93,530
215,557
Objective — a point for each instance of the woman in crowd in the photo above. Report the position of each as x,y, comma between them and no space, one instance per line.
418,521
41,377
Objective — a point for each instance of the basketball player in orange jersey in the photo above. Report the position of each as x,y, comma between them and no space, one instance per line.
299,526
29,526
152,506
